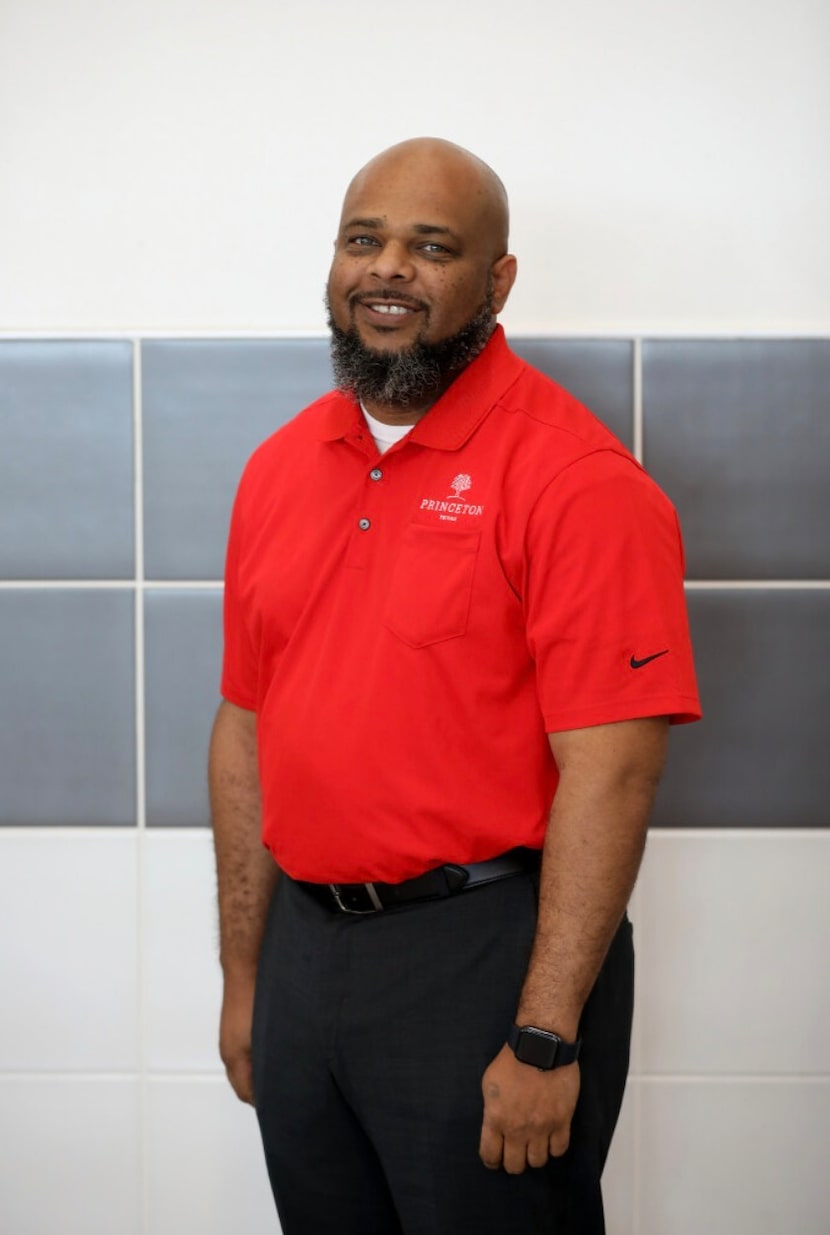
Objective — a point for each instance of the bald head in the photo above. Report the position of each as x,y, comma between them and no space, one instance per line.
449,172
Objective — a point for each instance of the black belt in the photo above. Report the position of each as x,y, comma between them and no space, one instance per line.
432,885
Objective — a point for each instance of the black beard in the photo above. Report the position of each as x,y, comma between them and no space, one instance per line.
411,376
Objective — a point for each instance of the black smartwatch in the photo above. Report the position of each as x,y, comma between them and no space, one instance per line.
541,1049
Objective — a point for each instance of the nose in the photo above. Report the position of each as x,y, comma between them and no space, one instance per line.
392,261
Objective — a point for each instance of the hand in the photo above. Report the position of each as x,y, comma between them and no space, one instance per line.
527,1113
235,1035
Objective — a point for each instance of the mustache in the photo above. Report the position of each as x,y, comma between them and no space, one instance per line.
387,294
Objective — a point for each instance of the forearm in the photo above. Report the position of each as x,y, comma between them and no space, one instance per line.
246,872
592,853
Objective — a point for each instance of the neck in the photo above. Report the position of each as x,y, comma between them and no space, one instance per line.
389,414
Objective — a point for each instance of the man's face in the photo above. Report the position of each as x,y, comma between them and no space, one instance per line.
412,270
409,263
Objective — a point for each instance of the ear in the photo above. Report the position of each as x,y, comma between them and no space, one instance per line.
504,276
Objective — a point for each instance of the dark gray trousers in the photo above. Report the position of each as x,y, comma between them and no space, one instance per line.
371,1035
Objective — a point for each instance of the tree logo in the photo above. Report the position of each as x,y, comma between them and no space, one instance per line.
461,484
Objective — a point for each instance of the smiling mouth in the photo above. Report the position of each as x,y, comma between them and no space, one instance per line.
393,310
387,306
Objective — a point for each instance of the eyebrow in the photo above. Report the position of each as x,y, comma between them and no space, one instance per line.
433,229
372,223
421,229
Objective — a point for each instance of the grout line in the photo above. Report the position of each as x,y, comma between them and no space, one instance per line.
124,585
732,1078
197,1078
179,585
198,831
86,831
207,1077
780,833
785,332
230,334
201,1078
638,399
632,1083
11,585
757,585
196,585
635,917
45,1075
140,782
138,514
636,1187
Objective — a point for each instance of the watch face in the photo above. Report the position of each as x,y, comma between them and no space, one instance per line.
537,1047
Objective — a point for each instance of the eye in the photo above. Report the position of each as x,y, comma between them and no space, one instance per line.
433,249
361,242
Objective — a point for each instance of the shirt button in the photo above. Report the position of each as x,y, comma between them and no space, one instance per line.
375,473
364,525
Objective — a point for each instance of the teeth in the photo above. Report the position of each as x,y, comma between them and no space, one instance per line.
396,309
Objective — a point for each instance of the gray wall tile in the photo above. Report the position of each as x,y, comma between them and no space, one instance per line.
66,464
67,706
759,756
599,372
749,479
183,651
738,434
206,406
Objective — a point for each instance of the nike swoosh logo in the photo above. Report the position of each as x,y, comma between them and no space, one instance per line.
638,664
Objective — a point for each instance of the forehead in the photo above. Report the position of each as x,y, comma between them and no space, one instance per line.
413,192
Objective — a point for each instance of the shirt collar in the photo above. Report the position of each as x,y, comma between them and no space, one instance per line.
448,423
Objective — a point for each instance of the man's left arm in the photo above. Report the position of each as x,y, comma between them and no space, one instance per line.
594,843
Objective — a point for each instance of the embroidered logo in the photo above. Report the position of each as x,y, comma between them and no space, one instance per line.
450,509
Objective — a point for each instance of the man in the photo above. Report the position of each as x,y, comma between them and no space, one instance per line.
452,599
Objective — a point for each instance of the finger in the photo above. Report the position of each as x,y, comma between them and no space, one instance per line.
239,1075
538,1152
559,1141
490,1148
514,1156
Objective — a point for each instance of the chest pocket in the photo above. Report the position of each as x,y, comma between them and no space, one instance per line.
431,585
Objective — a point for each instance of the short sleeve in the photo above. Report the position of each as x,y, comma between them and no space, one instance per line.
605,606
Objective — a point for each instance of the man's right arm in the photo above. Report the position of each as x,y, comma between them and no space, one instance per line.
246,874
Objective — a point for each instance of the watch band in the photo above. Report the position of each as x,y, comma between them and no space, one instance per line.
542,1049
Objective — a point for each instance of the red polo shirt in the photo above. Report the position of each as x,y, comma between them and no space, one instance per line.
410,627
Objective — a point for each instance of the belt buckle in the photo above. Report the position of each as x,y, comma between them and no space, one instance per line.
375,900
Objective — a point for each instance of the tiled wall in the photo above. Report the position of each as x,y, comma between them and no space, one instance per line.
118,461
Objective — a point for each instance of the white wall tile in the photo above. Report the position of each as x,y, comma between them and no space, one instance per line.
68,954
205,1165
733,941
618,1176
734,1158
180,940
69,1156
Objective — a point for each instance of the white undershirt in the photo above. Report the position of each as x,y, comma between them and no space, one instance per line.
384,435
